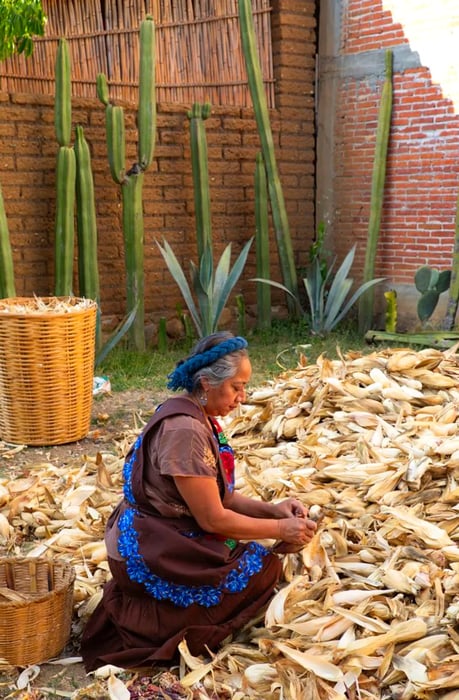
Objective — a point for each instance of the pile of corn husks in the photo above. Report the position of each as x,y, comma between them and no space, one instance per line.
370,608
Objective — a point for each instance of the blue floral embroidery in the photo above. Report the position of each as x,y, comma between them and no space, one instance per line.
250,563
127,473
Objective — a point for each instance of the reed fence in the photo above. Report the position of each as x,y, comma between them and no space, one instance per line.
198,50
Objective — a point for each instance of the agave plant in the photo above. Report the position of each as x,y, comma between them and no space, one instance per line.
328,294
211,288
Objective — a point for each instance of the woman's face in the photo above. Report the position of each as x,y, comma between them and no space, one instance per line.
222,399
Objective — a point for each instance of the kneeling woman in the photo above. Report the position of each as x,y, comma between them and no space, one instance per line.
179,569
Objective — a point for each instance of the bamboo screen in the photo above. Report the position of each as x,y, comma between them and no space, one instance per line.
198,50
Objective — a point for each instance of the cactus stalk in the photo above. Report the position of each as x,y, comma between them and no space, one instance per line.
134,254
88,273
116,142
64,226
147,93
366,301
279,212
199,165
262,244
131,181
63,103
7,287
64,239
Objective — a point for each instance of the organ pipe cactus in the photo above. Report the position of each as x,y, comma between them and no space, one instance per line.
199,164
88,273
131,181
7,287
64,226
63,102
279,212
262,244
366,302
65,176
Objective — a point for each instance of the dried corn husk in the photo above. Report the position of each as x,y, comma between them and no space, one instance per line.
370,607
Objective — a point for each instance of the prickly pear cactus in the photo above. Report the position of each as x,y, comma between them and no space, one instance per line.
430,282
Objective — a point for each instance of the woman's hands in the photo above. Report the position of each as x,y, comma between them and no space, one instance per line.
295,529
290,508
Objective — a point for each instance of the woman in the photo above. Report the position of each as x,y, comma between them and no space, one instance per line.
179,568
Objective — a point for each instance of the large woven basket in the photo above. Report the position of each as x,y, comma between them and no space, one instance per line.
36,603
47,348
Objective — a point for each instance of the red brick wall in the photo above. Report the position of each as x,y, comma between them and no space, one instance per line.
422,176
28,150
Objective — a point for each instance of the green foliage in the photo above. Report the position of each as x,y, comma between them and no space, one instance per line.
131,181
328,296
430,282
366,301
20,21
262,243
276,195
211,289
7,286
200,169
119,332
270,351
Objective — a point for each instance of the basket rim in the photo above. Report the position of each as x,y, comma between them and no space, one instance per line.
90,306
45,596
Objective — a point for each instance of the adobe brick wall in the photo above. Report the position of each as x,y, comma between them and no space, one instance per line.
28,150
422,178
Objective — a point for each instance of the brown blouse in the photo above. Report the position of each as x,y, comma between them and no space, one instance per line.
179,446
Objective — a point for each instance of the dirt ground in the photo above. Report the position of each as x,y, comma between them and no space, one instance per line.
113,415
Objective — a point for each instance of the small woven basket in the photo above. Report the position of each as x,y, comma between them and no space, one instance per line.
36,603
47,348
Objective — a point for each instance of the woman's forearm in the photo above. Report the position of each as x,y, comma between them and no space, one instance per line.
251,507
239,526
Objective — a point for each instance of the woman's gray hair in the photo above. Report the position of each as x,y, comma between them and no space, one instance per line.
223,368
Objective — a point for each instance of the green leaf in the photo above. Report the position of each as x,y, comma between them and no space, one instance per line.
181,281
231,280
363,288
116,336
206,270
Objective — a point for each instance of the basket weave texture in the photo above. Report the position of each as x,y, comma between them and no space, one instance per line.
36,603
46,369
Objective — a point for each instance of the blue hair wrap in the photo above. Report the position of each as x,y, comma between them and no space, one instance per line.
183,375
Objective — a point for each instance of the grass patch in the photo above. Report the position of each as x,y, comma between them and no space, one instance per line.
270,351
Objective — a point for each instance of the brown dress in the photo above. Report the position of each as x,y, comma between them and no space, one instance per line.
172,581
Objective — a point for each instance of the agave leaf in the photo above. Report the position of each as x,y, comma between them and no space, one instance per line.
206,271
203,297
343,270
116,336
229,283
335,299
181,281
315,288
352,300
222,271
